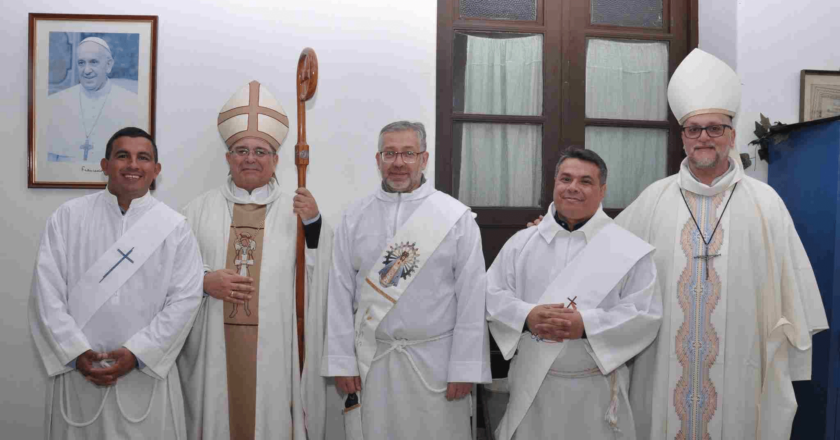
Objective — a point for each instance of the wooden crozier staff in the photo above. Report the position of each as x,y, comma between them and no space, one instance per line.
307,82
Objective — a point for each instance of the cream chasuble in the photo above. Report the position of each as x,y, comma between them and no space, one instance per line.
738,313
285,404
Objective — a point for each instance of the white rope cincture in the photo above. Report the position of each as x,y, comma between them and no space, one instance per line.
400,344
122,411
61,396
611,416
65,395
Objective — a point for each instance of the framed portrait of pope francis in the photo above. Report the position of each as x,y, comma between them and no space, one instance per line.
89,76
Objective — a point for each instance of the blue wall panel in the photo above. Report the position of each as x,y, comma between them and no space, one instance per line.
804,171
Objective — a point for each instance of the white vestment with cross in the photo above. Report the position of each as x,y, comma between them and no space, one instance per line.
575,388
138,289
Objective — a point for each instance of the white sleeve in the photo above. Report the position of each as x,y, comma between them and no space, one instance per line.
339,343
158,344
628,320
469,358
506,311
57,337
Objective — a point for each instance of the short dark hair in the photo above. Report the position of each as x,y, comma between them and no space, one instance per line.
132,132
575,152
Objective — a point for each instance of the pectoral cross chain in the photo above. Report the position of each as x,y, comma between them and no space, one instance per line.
706,257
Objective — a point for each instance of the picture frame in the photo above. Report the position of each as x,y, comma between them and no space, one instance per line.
89,76
819,94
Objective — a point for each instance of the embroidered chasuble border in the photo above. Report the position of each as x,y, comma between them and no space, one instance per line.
697,342
241,322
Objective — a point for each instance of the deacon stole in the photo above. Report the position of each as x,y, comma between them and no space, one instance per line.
699,317
244,256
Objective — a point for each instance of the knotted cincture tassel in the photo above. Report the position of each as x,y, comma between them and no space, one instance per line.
611,417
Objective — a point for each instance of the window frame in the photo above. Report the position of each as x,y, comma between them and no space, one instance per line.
565,26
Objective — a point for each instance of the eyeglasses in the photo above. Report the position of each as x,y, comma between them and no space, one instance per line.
713,131
407,156
245,152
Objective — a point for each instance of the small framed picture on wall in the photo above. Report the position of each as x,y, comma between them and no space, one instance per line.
89,76
819,94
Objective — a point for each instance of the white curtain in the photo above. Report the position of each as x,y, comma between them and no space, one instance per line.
627,80
501,164
635,157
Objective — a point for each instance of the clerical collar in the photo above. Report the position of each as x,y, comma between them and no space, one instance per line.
718,178
549,229
135,203
387,188
258,195
565,225
97,94
687,181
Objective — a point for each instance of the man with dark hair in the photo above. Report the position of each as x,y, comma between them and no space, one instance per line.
423,316
133,132
116,286
586,156
571,301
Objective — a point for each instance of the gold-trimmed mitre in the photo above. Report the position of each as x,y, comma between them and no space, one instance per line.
253,112
703,84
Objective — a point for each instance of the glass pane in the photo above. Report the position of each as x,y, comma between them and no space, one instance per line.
498,73
627,80
500,9
635,157
501,164
631,13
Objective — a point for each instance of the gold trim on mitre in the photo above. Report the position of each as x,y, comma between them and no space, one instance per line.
703,84
253,112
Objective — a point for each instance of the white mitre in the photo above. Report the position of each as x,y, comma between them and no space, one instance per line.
253,112
703,84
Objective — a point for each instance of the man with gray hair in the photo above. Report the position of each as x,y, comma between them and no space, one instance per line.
83,116
571,301
408,269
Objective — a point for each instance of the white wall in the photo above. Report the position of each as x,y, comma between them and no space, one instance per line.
768,42
377,64
777,39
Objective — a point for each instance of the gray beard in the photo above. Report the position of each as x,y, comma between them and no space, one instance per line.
387,188
707,164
